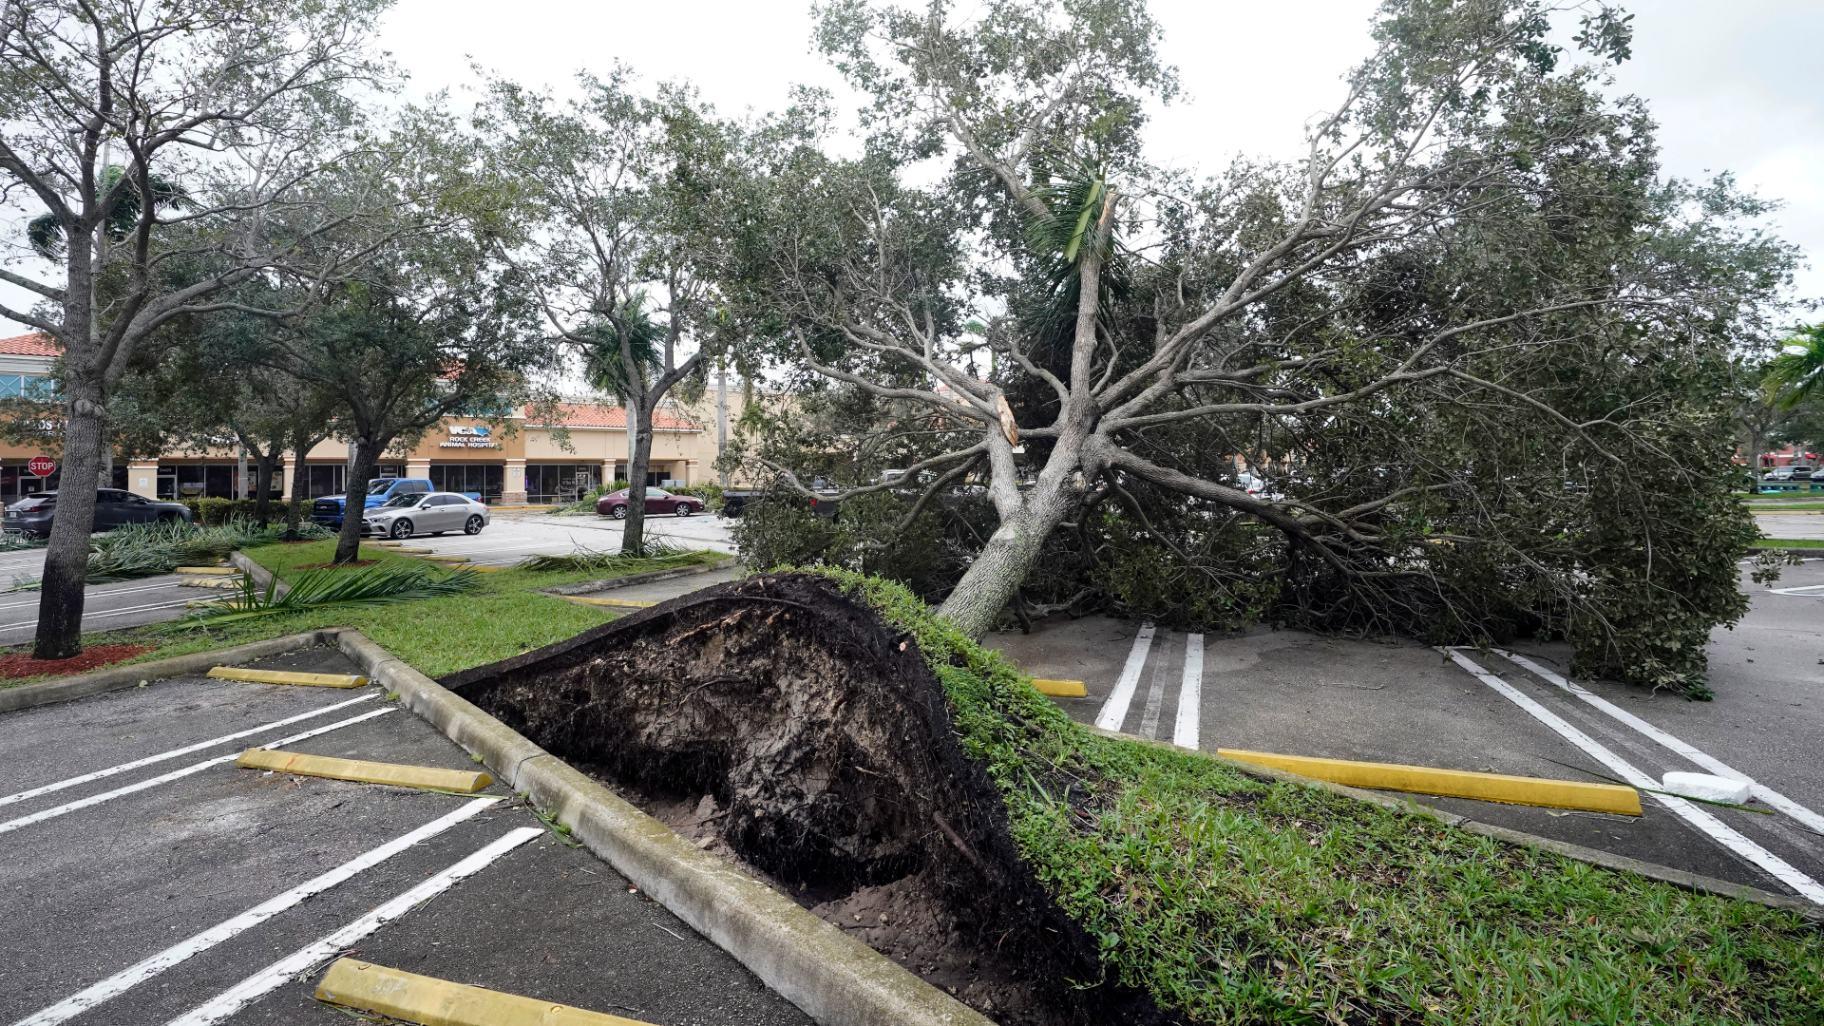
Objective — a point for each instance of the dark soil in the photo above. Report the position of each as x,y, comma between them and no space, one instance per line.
15,665
784,725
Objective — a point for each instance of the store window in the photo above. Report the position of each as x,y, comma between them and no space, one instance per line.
561,482
319,479
26,386
484,479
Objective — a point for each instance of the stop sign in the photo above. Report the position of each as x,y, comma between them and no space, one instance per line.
41,466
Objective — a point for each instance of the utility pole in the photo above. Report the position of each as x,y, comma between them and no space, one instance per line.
722,421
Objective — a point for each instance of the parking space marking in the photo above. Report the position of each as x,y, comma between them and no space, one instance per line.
1803,591
197,767
1155,693
149,760
1767,795
1718,831
34,600
1114,711
98,614
140,972
275,975
1190,695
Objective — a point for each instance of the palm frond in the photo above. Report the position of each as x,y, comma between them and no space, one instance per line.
380,584
603,364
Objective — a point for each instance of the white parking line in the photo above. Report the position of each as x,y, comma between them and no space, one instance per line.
33,601
1767,795
274,976
196,767
99,774
99,614
1805,590
140,972
1190,694
1155,695
1718,831
1114,711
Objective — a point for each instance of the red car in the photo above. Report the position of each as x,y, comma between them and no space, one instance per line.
658,500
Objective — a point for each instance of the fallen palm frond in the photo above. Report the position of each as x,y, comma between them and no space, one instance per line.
660,555
145,550
380,584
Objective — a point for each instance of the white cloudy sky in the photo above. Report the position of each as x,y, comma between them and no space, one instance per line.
1734,85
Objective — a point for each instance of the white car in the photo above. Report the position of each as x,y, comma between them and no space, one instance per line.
433,513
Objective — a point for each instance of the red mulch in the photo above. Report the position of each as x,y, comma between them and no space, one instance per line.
21,664
334,565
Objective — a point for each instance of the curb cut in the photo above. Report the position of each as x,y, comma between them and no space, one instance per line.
832,977
1593,856
586,587
119,678
261,576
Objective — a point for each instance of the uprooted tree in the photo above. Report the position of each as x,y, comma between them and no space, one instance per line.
1450,335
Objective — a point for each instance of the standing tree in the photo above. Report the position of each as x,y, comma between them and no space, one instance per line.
1471,278
104,102
627,200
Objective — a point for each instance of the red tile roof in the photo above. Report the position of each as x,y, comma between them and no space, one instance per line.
35,344
595,415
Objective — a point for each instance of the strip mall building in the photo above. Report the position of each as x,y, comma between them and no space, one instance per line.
519,461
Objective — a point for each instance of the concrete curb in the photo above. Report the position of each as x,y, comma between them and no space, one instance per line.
260,575
118,678
1594,856
585,587
835,979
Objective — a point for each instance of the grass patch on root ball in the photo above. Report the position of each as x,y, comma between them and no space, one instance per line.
1235,900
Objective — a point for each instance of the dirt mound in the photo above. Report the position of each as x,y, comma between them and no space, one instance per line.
779,720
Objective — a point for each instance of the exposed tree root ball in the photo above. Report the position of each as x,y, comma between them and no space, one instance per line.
781,720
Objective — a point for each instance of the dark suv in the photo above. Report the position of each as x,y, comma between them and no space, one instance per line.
113,507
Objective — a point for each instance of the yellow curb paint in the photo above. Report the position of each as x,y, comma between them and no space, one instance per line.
224,583
207,571
1488,787
429,1001
309,680
362,771
1060,688
610,603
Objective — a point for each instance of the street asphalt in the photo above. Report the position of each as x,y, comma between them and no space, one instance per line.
1301,694
106,884
1791,525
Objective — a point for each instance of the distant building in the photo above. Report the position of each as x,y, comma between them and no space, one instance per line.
521,460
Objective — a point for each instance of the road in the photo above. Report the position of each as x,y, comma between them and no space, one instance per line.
1302,694
1791,525
510,538
222,873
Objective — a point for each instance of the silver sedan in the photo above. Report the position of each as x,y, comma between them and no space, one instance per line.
434,513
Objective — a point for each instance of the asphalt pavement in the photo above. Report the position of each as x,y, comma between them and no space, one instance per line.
1302,694
150,881
1791,525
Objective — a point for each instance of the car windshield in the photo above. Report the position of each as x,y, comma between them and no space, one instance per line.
400,500
379,486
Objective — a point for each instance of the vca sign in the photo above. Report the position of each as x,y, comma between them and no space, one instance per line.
470,436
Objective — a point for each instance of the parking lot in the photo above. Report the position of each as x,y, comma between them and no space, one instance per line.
149,880
1301,694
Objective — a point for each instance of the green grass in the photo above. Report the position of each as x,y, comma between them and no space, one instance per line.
504,616
1233,900
1788,543
1801,504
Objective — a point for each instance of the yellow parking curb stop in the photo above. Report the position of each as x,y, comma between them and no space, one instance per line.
309,680
429,1001
222,583
362,771
1060,688
611,603
207,571
1488,787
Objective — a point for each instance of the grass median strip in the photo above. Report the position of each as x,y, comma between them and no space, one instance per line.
428,1001
428,778
1487,787
297,677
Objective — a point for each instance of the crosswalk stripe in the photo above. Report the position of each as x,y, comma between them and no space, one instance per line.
1190,694
1114,711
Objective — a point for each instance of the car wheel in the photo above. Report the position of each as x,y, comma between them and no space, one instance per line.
683,509
618,512
402,528
473,526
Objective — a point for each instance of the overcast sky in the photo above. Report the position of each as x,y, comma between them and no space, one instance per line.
1735,86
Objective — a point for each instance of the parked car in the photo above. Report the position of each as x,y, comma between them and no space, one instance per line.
33,514
410,513
658,500
1791,472
736,500
328,509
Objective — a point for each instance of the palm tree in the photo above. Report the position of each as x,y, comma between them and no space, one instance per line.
604,365
45,235
1797,374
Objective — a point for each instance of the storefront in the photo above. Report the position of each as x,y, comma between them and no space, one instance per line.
561,482
324,478
487,480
